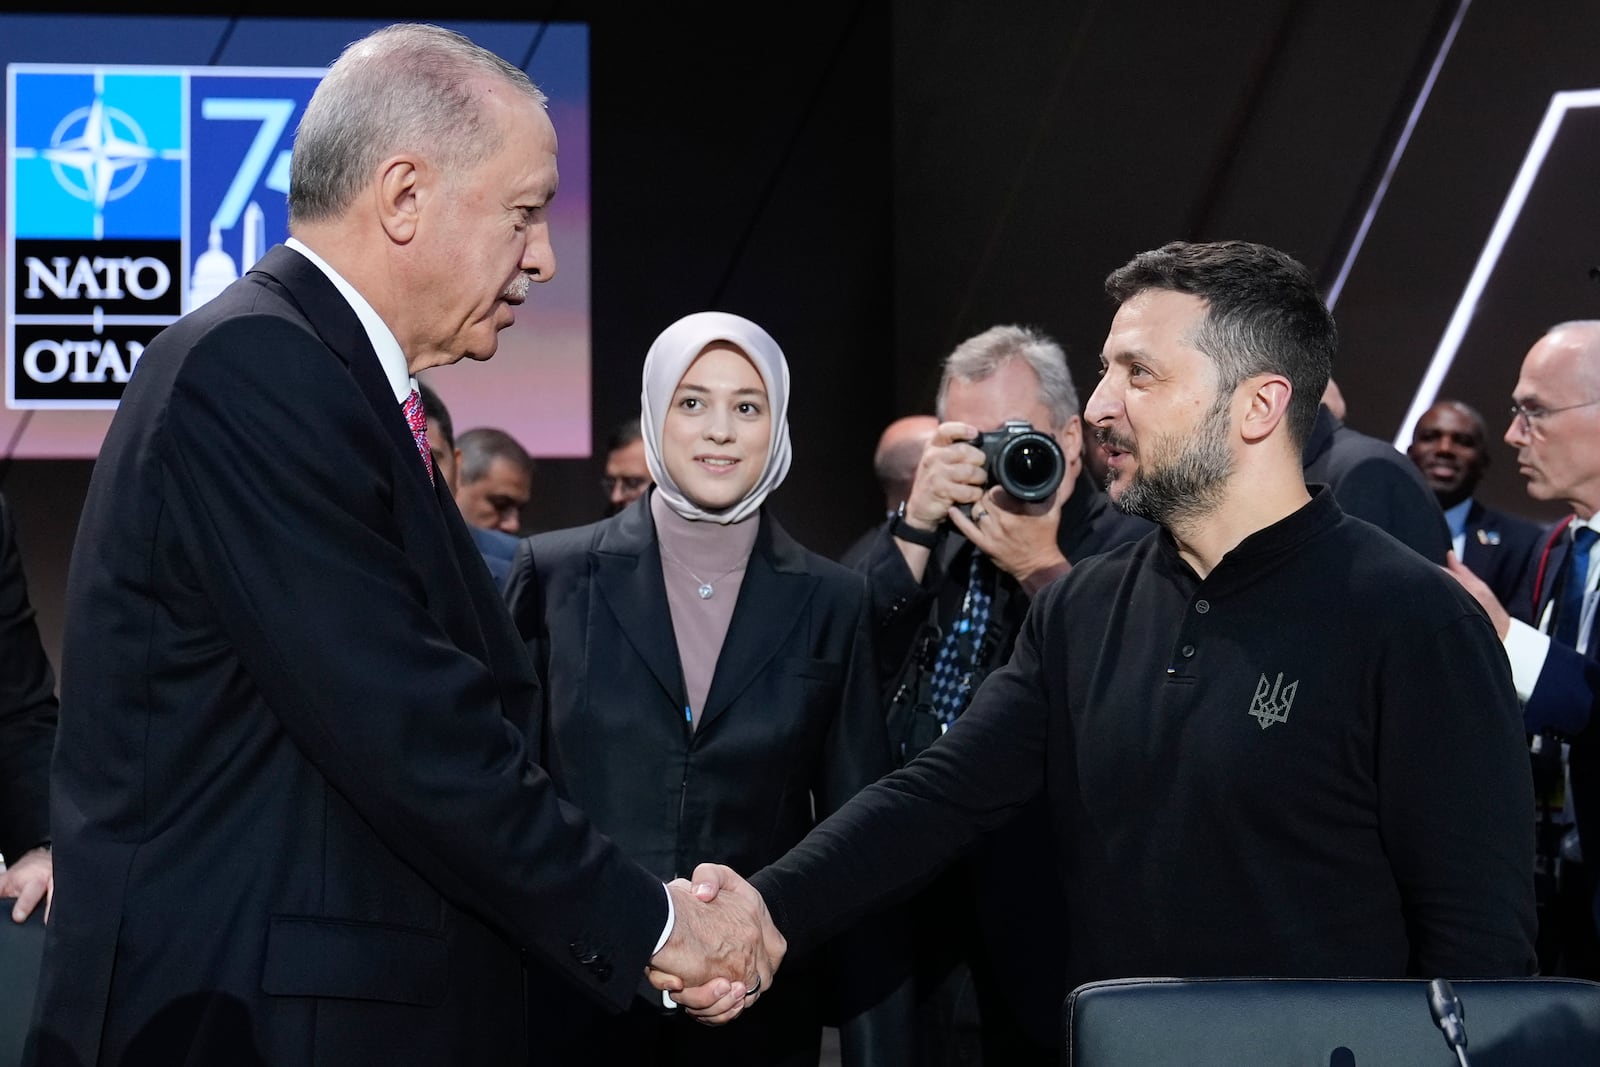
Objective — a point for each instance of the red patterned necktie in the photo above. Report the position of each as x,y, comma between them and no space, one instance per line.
417,419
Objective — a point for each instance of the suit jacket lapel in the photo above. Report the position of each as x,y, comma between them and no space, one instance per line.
1552,574
336,323
627,571
418,504
772,600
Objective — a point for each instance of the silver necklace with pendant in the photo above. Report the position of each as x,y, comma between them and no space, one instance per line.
706,588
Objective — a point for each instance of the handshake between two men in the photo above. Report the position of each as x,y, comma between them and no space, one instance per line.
723,941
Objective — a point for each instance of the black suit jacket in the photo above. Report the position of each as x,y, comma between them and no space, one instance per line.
27,707
1502,549
293,823
1373,480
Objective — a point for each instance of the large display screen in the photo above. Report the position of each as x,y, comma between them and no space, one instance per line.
147,163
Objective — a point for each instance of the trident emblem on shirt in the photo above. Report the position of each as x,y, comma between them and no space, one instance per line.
1272,700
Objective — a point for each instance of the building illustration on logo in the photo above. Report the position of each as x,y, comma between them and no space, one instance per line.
133,196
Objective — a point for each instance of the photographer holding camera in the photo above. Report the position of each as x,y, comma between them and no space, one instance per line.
1000,506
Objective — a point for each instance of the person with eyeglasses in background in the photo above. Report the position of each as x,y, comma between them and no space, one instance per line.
1555,659
627,474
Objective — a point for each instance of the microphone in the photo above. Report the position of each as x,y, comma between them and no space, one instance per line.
1449,1016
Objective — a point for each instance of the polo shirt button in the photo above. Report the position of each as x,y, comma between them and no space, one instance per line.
1188,650
1202,606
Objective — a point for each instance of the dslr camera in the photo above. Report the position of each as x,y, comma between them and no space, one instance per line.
1027,463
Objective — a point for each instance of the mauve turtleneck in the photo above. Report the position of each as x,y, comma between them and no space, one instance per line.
691,553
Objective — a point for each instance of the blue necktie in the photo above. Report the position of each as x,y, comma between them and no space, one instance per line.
952,671
1569,609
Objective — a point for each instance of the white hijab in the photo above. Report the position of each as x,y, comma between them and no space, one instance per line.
664,367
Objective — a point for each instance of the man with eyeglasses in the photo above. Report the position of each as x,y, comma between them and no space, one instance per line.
627,475
1555,428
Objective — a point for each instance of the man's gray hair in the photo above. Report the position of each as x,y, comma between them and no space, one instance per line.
481,446
979,357
404,88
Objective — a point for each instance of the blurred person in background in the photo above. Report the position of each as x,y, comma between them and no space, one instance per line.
494,479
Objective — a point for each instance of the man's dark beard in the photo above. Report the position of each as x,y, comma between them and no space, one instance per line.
1190,485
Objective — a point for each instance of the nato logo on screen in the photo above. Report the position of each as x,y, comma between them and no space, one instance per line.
133,195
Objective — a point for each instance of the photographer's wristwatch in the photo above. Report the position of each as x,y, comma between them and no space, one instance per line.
904,531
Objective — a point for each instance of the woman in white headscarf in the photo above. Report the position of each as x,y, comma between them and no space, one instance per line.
709,692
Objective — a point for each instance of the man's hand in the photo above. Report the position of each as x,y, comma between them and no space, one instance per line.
1480,592
949,473
1019,538
724,948
30,879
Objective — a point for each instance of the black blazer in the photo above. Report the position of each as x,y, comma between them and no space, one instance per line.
1373,480
293,823
792,712
27,708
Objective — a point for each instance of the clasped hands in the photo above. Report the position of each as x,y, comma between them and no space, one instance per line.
724,948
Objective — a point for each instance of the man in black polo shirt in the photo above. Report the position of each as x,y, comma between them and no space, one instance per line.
1273,740
952,577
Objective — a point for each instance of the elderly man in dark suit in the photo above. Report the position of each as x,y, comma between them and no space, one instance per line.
1449,445
1555,655
295,818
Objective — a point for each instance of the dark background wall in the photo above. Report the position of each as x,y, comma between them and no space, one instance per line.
874,181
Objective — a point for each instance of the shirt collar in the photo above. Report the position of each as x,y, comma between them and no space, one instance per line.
1457,517
390,358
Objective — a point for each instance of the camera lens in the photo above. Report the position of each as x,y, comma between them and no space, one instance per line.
1030,466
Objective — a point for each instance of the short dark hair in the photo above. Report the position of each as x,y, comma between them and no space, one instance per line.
1263,314
625,434
481,446
437,413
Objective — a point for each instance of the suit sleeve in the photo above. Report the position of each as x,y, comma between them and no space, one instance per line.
1456,801
282,480
899,603
27,707
1566,697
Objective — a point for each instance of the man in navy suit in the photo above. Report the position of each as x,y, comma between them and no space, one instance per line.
1555,428
295,818
1449,445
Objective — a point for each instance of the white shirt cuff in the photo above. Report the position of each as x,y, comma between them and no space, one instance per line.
666,932
1526,648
